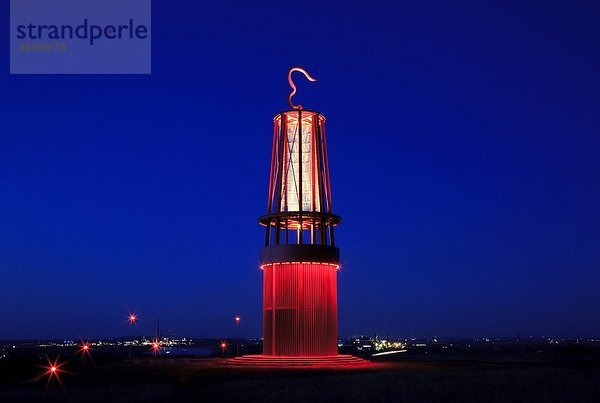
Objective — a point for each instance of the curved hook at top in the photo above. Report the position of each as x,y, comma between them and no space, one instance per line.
301,70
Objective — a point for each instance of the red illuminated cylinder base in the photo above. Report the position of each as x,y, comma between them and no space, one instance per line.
300,309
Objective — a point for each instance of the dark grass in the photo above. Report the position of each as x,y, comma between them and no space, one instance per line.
441,379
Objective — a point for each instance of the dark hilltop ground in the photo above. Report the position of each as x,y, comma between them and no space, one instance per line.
570,375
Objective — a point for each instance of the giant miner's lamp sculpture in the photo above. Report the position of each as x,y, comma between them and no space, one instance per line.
299,260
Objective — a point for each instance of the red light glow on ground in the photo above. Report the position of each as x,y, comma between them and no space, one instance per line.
52,371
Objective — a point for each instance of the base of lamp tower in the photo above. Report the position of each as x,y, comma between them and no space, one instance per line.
269,361
300,309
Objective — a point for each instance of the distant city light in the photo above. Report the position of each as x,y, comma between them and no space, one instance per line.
389,352
84,348
223,347
155,347
132,318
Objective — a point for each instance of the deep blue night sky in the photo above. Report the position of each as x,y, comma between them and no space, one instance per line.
464,148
